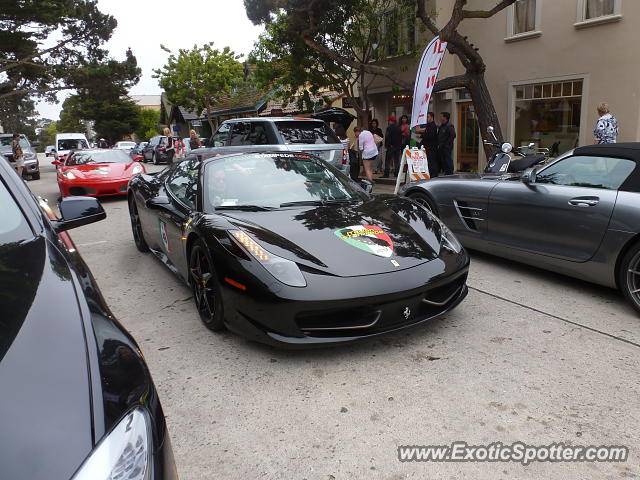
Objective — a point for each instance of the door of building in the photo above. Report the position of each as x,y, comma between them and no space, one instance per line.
468,137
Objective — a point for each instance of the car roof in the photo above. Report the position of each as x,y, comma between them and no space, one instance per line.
273,119
72,136
630,150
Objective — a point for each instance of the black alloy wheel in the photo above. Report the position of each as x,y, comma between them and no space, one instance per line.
629,276
205,287
136,227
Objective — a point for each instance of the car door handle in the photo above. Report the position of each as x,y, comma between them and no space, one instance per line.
584,202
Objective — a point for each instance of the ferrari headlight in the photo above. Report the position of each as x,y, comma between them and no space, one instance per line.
282,269
136,169
448,239
124,453
69,175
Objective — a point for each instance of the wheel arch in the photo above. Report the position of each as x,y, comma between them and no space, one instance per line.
427,193
623,252
191,239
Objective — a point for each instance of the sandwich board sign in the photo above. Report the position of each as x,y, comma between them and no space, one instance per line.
417,167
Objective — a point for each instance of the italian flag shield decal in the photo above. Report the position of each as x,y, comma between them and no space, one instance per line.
369,238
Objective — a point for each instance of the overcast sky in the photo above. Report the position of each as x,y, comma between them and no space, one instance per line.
144,24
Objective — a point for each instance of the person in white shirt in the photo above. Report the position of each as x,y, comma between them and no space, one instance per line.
367,144
606,130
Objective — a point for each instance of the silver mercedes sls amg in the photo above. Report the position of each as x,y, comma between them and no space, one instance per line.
578,215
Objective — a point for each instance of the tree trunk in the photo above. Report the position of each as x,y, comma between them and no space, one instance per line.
209,120
485,110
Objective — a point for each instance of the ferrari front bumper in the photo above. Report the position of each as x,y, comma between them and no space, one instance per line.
332,310
93,188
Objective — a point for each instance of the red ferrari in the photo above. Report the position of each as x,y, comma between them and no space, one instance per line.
97,173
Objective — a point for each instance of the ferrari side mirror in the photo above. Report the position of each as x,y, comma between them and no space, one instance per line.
155,202
78,211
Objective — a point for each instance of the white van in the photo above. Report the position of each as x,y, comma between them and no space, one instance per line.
65,142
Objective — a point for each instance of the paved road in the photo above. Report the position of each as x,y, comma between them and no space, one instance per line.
530,356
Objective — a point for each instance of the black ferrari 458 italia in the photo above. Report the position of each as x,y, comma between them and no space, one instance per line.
76,397
284,249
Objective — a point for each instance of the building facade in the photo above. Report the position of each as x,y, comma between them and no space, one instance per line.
549,64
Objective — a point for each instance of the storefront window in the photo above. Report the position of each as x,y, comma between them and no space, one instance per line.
548,115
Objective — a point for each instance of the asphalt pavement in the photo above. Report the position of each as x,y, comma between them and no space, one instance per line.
529,356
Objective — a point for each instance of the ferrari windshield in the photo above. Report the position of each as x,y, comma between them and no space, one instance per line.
99,156
274,180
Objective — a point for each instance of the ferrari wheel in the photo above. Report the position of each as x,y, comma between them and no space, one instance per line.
205,287
423,200
136,227
629,276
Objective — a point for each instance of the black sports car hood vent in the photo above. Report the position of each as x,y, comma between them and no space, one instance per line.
378,236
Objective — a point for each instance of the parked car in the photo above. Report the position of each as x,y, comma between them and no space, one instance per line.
303,255
97,173
155,150
31,163
124,145
306,135
577,215
66,142
138,149
78,401
49,151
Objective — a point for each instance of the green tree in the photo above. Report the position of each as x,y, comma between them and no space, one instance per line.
18,114
312,23
149,123
42,44
103,99
302,71
47,133
196,79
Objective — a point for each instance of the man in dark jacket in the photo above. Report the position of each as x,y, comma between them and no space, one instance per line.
430,144
393,143
446,136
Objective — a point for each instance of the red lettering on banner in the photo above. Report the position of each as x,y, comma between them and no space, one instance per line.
431,81
440,49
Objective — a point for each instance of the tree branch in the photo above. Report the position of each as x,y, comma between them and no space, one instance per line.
458,81
27,91
487,13
38,54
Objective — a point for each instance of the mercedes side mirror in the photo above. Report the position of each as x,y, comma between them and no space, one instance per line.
78,211
528,176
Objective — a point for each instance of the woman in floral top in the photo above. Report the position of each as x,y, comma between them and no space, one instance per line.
606,130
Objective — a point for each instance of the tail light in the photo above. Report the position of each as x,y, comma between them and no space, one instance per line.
345,156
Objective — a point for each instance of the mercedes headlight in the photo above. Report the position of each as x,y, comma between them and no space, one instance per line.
124,453
69,175
29,156
282,269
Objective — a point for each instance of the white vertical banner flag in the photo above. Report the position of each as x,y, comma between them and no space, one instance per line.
426,79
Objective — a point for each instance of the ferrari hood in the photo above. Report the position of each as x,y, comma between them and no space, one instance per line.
377,236
43,366
102,170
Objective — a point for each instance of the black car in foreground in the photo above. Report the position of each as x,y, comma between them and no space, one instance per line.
76,400
284,249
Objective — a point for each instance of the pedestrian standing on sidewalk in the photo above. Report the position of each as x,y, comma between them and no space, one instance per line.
606,130
374,128
367,145
18,154
430,143
406,131
446,136
393,143
169,148
194,140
